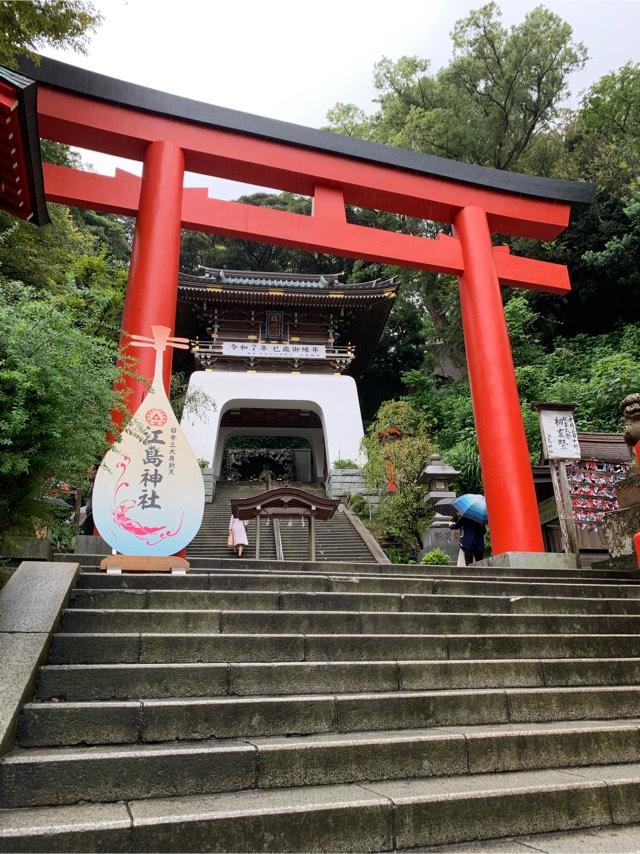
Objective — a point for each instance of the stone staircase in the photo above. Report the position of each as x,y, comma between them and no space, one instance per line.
376,708
336,538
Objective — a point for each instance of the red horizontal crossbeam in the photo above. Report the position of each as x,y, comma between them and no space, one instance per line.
326,231
81,121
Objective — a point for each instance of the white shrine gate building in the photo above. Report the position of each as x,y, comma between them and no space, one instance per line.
278,353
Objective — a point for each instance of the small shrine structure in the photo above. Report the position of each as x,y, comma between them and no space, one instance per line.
278,353
285,503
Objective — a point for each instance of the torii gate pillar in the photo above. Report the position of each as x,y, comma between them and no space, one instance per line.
504,454
152,289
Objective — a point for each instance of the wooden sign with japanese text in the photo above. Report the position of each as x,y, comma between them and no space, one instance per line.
559,435
148,497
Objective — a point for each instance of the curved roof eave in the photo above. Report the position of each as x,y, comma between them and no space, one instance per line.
61,75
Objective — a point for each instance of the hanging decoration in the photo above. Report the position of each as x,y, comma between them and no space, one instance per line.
593,490
148,497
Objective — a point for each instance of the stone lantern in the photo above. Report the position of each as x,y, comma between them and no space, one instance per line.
437,475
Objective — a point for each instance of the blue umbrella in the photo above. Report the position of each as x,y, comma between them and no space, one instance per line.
472,507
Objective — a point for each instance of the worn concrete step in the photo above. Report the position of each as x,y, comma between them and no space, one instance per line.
623,839
135,620
114,648
82,682
354,582
169,621
51,777
155,720
271,600
585,575
380,816
48,777
405,622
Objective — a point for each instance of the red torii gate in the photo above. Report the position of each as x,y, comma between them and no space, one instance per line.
171,135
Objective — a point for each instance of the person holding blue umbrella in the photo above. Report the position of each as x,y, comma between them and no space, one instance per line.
471,511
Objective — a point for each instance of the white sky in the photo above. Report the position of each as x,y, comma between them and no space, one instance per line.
293,60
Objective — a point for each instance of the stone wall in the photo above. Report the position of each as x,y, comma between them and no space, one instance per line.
207,476
344,482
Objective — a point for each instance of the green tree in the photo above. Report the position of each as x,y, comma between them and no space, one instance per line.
68,263
56,393
29,25
600,247
499,103
402,515
502,88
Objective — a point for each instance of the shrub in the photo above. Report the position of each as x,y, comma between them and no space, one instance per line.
436,557
359,505
345,464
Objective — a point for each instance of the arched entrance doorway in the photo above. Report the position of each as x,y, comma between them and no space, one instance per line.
248,405
274,460
289,442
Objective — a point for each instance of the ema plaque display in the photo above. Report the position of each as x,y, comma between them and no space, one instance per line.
148,497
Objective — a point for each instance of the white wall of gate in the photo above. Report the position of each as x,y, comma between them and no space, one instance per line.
334,398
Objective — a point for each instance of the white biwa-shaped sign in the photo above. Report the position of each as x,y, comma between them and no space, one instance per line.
148,496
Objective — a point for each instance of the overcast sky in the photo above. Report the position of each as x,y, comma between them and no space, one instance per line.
293,60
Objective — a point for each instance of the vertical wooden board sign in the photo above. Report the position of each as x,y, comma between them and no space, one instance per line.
148,497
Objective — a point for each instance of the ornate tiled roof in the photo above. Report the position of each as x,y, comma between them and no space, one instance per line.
361,308
231,279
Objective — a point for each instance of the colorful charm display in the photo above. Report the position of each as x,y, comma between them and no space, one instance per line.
593,490
148,497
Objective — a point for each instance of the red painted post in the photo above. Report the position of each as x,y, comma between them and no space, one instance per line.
152,289
504,456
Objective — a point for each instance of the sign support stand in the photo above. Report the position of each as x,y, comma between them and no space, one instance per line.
564,504
560,443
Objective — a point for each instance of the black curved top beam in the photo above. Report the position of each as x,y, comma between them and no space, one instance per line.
60,75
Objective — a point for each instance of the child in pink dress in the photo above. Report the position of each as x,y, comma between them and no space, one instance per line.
237,535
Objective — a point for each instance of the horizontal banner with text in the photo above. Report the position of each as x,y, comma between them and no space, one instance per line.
274,351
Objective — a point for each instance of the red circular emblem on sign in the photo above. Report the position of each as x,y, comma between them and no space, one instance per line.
156,417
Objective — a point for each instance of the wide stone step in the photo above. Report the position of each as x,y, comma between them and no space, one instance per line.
353,582
623,839
380,816
234,564
71,723
49,777
169,621
114,648
80,682
253,600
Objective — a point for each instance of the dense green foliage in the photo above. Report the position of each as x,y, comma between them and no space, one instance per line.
55,396
30,24
593,371
61,291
